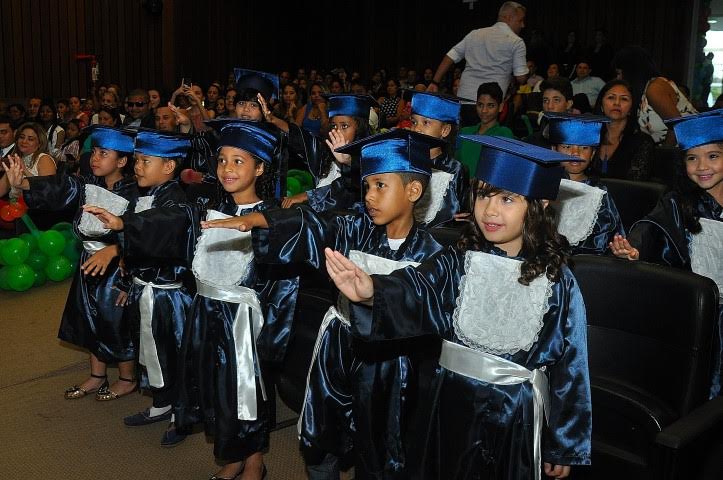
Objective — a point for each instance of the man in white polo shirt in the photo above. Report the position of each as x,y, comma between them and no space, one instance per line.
493,54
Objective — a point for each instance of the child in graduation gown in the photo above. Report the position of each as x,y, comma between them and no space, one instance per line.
685,230
336,175
513,387
358,394
239,308
93,316
438,115
161,290
588,217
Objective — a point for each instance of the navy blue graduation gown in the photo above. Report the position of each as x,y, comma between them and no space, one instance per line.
170,306
456,199
477,429
661,237
607,225
207,370
358,393
91,319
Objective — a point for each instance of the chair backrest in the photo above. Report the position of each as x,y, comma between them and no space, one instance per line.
649,326
663,165
633,199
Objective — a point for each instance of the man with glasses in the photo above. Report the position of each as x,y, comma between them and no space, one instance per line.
138,110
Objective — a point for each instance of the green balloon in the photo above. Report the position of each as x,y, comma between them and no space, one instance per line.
4,285
61,226
40,278
292,186
37,260
15,251
2,244
20,277
69,235
51,243
32,241
72,251
58,268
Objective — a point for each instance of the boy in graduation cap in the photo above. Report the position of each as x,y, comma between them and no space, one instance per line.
438,115
685,229
588,216
242,311
357,394
160,293
512,322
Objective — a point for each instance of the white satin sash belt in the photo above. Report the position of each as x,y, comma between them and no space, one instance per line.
247,325
92,246
148,354
328,317
493,369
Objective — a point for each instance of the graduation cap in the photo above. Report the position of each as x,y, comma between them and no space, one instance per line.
111,138
569,129
696,130
252,137
161,144
397,150
350,104
519,167
437,106
265,83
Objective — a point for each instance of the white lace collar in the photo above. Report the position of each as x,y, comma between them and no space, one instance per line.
577,205
223,257
334,173
89,224
706,252
246,206
495,313
371,264
431,202
144,203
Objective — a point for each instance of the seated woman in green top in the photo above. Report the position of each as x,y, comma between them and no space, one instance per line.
489,106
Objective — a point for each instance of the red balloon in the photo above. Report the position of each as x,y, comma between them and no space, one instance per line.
7,213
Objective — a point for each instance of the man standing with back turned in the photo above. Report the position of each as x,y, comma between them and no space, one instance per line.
493,54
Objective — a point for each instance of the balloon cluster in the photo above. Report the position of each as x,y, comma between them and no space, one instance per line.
298,181
31,258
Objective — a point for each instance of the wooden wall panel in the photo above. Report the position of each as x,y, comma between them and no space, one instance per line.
204,40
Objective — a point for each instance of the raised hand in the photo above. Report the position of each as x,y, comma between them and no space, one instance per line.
109,220
621,248
15,171
181,115
557,471
351,280
243,223
335,141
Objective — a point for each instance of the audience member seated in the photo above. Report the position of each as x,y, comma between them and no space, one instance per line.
585,83
625,152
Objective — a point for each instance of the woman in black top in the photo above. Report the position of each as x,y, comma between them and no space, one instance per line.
625,152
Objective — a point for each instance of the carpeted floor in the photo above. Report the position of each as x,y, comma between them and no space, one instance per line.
42,435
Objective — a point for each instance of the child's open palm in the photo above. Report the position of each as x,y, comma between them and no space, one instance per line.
109,220
351,280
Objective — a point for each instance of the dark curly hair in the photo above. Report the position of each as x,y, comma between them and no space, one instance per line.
543,249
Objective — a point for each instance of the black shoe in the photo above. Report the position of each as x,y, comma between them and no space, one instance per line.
171,437
144,418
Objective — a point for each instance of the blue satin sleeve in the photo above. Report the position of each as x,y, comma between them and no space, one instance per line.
412,302
456,199
563,347
661,236
54,192
607,225
300,235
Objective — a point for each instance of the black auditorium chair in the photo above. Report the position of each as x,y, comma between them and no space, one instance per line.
316,295
633,199
651,340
